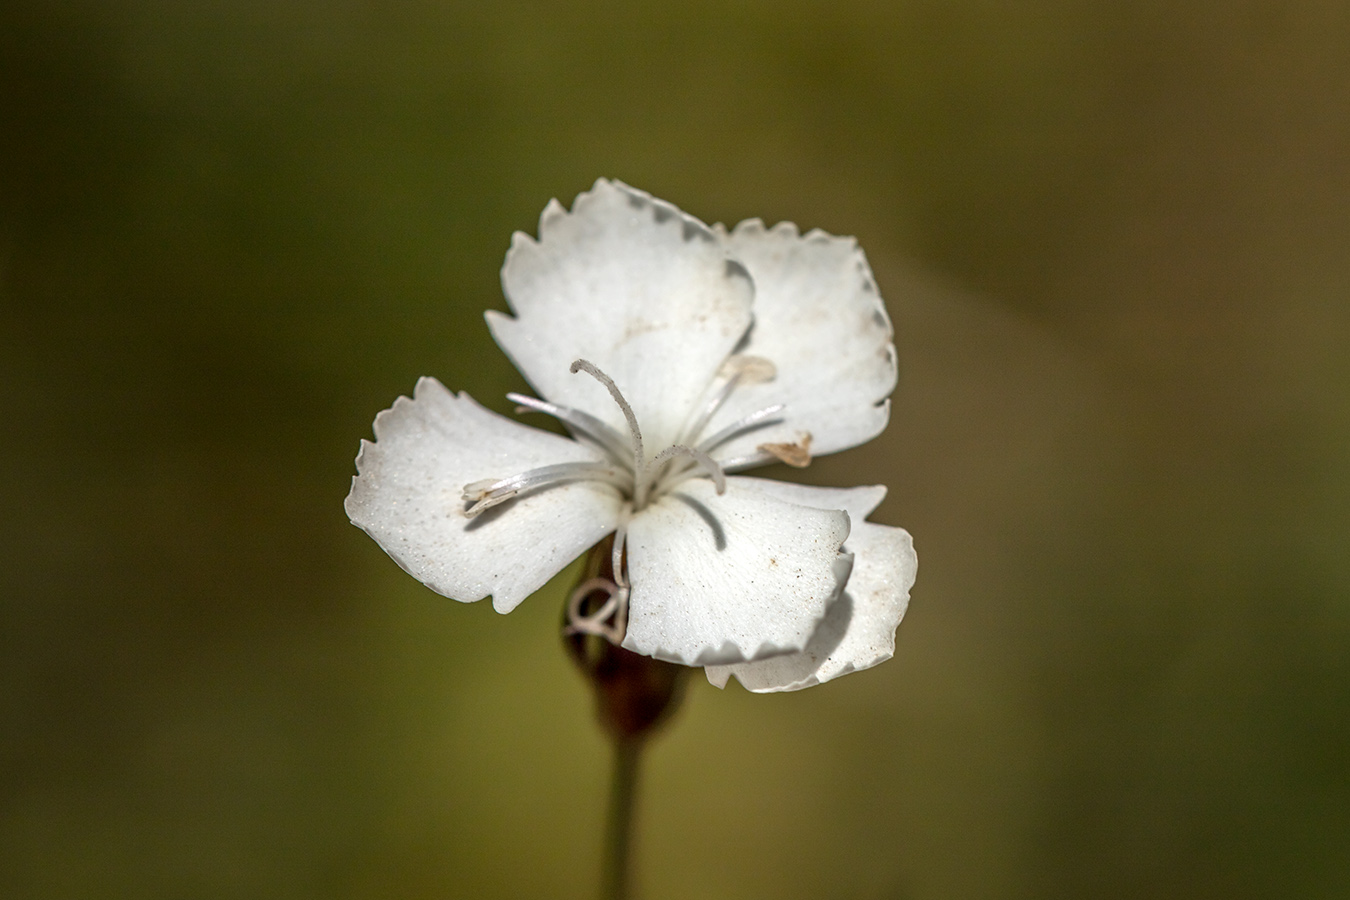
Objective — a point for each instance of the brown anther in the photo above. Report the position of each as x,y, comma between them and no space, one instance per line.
797,455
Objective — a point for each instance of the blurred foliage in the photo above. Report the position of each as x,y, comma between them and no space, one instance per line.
1113,240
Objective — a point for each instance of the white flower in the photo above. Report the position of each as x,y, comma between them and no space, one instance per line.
674,353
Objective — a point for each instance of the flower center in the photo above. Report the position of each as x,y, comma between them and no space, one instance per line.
625,464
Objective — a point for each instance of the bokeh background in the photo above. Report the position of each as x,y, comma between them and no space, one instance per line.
1113,239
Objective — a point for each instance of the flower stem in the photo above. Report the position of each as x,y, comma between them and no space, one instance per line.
619,824
635,695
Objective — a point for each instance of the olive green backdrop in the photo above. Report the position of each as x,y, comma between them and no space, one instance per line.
1115,241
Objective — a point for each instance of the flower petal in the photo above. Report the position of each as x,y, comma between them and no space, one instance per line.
722,579
821,322
408,498
642,290
859,630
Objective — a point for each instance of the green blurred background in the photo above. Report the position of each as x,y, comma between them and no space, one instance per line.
1113,238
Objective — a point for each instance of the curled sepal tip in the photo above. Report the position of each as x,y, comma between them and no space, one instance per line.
634,694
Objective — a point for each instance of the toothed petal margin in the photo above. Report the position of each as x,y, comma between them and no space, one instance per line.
859,629
821,321
642,290
408,498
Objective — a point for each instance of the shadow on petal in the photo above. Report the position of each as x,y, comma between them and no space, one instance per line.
719,536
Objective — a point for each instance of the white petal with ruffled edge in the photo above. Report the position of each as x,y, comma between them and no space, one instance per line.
721,579
859,629
408,498
821,322
642,290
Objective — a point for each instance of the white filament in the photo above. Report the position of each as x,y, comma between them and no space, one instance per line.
582,424
582,365
743,424
628,468
707,462
485,494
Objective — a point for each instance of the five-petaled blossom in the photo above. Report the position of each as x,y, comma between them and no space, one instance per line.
673,353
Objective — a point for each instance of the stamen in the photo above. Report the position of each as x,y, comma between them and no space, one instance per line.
753,369
707,462
739,369
582,423
710,409
754,420
796,454
639,459
589,368
485,494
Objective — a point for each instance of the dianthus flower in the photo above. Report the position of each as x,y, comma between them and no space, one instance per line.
674,354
